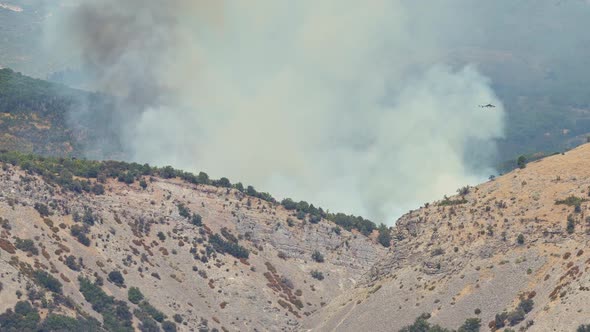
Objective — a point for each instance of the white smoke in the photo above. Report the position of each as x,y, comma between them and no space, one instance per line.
346,104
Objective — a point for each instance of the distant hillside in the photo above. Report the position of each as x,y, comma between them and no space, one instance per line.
36,116
21,35
510,253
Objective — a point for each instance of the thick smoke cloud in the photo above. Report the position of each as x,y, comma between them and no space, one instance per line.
348,104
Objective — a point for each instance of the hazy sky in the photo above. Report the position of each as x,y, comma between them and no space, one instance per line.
364,107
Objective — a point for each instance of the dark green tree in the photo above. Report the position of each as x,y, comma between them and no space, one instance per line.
471,325
521,162
116,278
135,296
384,237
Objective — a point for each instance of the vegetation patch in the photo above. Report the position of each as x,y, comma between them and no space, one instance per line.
81,175
115,314
134,295
47,281
26,245
25,317
317,275
421,324
571,201
222,246
317,256
450,202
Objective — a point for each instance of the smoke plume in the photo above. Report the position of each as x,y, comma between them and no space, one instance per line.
346,104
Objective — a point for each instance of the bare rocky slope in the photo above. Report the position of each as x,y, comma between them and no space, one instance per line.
517,242
198,273
511,252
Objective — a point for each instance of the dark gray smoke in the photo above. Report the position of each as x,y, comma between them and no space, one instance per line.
353,105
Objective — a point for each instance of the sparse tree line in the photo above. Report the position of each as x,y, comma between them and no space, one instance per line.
79,175
421,324
348,222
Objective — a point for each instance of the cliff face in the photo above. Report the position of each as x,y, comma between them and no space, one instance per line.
520,237
182,269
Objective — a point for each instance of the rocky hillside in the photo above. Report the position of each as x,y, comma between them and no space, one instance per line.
159,252
512,252
115,246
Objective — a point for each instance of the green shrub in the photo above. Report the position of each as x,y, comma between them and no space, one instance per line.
197,220
571,225
147,323
300,215
464,191
228,235
55,322
168,326
26,245
48,281
384,237
42,209
515,317
520,239
99,300
222,246
98,189
222,182
421,324
239,186
72,263
470,325
317,256
83,239
449,202
88,217
314,219
317,275
134,294
116,278
289,204
152,311
571,201
521,162
526,305
115,314
184,211
499,320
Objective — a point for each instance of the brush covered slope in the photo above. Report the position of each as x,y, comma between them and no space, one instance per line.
154,252
512,253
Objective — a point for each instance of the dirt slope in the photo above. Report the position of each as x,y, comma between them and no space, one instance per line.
458,259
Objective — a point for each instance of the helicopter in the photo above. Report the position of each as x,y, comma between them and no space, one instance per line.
487,106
